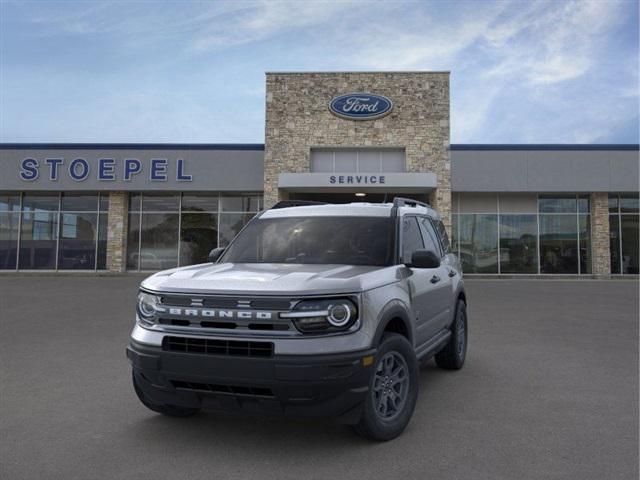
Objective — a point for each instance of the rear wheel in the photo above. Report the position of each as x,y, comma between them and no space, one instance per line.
452,356
169,410
393,390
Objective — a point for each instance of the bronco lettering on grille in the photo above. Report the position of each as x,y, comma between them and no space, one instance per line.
218,314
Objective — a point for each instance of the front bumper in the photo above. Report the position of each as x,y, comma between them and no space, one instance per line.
333,385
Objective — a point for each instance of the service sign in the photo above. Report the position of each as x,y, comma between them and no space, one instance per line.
360,106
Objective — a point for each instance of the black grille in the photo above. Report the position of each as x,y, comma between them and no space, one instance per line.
230,389
208,346
227,302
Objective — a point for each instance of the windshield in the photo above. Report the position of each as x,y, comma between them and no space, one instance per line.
318,240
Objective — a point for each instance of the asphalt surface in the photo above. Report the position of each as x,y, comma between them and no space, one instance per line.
550,390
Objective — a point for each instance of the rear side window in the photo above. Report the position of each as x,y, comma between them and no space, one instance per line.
444,238
411,238
430,236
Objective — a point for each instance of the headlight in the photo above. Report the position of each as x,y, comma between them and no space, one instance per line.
147,304
323,315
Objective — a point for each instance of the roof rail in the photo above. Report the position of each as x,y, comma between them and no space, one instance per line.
296,203
408,202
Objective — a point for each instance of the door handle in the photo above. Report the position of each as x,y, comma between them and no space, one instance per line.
435,279
452,273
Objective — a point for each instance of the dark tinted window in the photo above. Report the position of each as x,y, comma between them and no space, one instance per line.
430,237
315,240
411,238
444,238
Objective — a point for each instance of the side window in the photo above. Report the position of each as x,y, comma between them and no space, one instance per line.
444,238
411,238
430,238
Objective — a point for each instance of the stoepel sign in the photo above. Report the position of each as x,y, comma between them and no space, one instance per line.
107,169
360,106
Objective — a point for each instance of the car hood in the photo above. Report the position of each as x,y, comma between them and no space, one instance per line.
271,279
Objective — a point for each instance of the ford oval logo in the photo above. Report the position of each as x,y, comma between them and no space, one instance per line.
360,106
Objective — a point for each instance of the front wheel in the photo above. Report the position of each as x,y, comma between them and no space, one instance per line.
452,356
169,410
393,390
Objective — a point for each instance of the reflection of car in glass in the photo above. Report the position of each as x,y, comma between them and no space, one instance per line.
315,310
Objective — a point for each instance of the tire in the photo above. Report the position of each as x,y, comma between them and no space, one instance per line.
452,356
169,410
376,424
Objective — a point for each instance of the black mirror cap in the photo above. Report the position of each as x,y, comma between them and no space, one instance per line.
215,254
424,259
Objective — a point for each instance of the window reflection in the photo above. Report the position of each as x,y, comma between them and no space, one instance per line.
518,244
558,244
198,236
77,248
8,240
159,241
478,239
38,239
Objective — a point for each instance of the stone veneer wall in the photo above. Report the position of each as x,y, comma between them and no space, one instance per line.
117,231
600,247
298,119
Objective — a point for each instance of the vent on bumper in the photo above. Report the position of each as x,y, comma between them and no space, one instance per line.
218,347
230,389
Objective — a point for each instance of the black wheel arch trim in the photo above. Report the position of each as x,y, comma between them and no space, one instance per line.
392,310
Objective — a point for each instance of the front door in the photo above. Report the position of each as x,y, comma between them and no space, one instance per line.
424,288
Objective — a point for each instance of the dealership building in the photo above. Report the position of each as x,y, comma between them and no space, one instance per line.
333,137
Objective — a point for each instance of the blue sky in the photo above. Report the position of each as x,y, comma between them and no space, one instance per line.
521,72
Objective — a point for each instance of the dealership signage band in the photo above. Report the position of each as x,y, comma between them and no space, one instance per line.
105,169
360,106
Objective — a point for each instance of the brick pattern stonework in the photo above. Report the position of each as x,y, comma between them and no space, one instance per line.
600,248
298,119
117,231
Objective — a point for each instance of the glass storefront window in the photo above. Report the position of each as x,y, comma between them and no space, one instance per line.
557,204
9,224
53,231
230,225
614,242
78,235
623,233
558,244
133,241
584,236
40,201
239,203
629,204
159,202
103,227
198,236
518,244
583,204
159,241
169,230
38,239
478,240
200,202
79,202
9,202
630,245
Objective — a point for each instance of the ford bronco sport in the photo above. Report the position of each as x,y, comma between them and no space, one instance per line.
314,310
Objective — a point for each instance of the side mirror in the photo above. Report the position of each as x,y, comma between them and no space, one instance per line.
215,254
424,259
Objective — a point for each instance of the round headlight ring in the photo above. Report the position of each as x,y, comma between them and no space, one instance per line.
146,305
339,314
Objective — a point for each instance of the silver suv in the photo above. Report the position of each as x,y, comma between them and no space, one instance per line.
314,310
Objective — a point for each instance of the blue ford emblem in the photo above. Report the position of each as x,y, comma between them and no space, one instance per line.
360,106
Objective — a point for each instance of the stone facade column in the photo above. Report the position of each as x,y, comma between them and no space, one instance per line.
117,232
600,249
